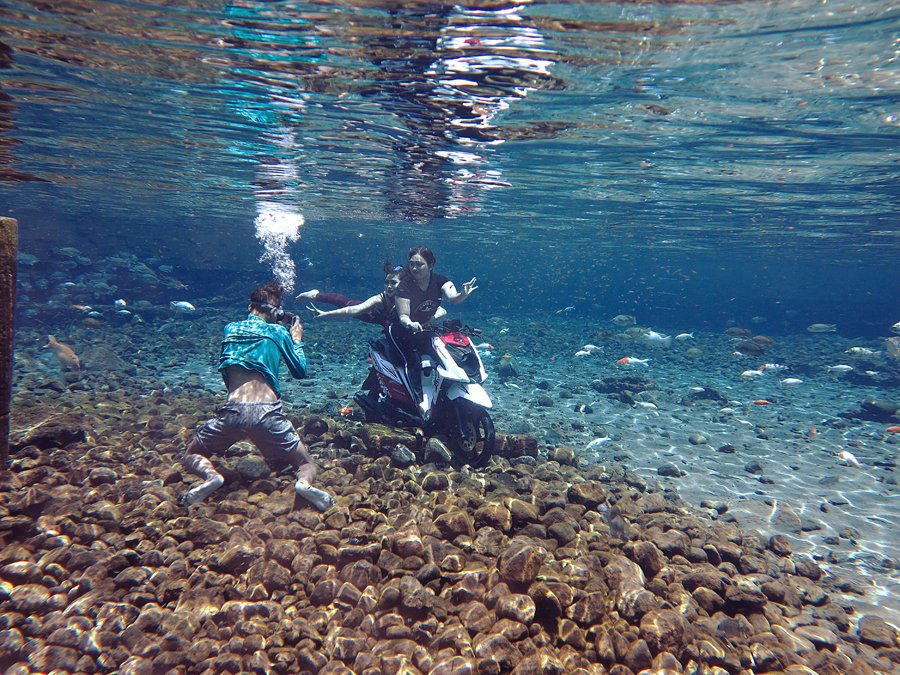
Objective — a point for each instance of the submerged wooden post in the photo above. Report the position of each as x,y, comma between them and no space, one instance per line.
9,247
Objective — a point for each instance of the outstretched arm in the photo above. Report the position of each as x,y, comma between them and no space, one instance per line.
403,310
351,310
455,296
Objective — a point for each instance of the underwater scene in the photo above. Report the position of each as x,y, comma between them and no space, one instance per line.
434,338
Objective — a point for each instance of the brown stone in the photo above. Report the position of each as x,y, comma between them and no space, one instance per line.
409,544
476,618
672,542
522,512
543,662
569,633
510,629
876,632
517,607
494,515
453,524
413,595
780,545
589,610
499,650
547,603
743,593
520,564
270,574
203,531
649,557
665,631
563,455
590,494
361,574
639,657
708,600
455,665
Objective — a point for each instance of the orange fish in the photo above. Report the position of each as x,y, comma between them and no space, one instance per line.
628,360
762,402
346,410
893,430
64,354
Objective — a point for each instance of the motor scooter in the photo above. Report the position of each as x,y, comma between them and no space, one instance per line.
449,401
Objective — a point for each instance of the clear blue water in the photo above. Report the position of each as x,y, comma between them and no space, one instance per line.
748,148
698,165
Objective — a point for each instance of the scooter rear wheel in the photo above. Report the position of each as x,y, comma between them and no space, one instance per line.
474,442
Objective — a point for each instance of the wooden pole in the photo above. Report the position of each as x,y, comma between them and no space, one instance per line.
9,247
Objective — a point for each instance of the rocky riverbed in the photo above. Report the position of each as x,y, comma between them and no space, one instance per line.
531,566
638,519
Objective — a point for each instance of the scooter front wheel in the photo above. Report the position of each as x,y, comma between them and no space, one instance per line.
474,442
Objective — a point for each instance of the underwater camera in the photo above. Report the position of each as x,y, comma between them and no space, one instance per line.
284,318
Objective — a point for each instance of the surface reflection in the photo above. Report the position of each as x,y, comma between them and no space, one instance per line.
448,72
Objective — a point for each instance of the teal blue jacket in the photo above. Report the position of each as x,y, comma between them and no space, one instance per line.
256,345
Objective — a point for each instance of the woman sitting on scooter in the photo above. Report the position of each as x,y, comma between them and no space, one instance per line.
379,309
417,301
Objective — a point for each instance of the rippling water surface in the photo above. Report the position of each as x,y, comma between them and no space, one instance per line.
687,126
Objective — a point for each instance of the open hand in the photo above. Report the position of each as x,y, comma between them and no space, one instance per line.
315,310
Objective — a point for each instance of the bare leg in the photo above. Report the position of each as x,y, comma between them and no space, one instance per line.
306,472
202,467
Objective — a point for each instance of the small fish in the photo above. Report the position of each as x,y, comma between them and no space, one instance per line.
862,351
698,389
591,348
183,306
94,314
762,402
624,320
726,410
791,381
503,331
596,443
774,368
565,309
822,328
628,360
64,353
123,311
644,404
751,373
684,336
83,308
484,345
873,373
896,327
653,336
120,303
67,284
346,410
582,352
511,385
850,458
759,319
840,369
812,433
